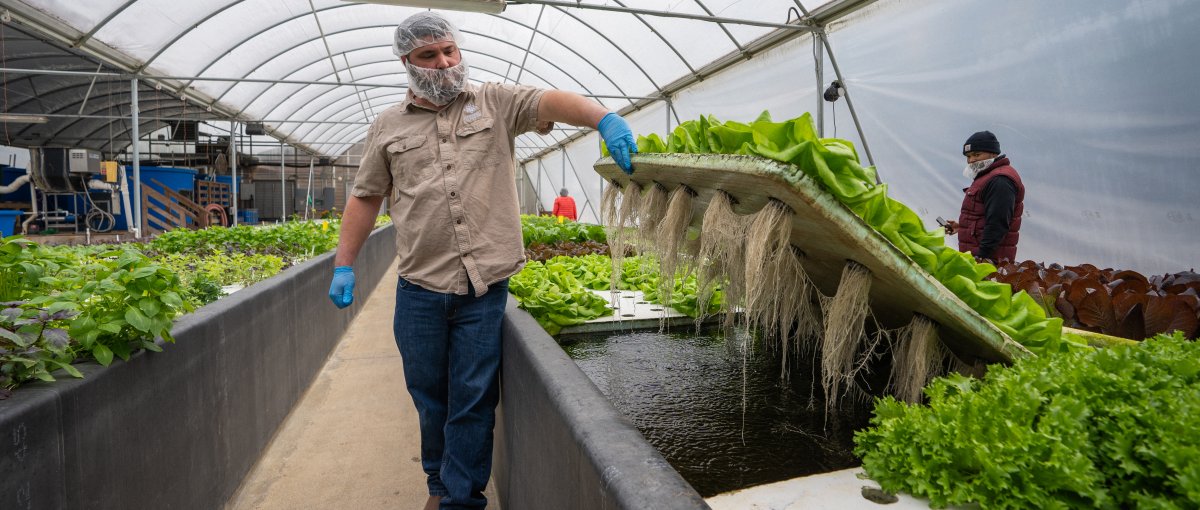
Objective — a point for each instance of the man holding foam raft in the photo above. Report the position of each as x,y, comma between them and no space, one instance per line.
990,217
444,160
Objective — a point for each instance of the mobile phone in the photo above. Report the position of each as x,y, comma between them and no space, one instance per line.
941,221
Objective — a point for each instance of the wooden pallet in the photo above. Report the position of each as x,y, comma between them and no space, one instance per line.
211,192
169,210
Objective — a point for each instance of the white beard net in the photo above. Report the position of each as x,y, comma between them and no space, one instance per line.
973,169
438,86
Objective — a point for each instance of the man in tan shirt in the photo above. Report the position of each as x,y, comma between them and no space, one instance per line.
443,159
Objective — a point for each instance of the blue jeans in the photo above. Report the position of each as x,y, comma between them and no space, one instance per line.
450,346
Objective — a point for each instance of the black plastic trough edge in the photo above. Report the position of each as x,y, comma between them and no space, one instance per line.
182,428
561,444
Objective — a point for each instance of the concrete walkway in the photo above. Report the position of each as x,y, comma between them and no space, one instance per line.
352,440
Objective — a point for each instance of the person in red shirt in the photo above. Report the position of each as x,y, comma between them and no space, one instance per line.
564,205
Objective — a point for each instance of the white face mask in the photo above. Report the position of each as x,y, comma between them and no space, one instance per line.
973,169
438,86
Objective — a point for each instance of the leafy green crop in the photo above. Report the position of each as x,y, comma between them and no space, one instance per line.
61,303
554,296
292,240
201,272
555,292
1107,428
551,230
834,164
70,302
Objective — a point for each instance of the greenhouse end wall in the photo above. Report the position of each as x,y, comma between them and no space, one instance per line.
180,429
561,444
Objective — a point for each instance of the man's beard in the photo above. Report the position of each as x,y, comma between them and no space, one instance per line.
438,86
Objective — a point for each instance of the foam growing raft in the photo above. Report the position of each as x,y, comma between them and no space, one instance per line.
807,271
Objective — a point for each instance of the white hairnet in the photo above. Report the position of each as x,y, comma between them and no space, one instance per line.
422,29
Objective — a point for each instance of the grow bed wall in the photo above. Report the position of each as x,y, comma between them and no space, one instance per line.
180,429
561,444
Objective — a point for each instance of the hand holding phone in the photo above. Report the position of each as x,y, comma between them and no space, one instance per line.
949,226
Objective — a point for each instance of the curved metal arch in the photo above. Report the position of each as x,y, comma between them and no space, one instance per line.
614,45
551,63
41,58
686,64
566,47
183,33
294,18
42,94
120,134
358,90
723,29
311,129
345,132
101,24
255,99
269,87
349,132
293,112
586,88
156,96
260,32
356,136
348,95
65,106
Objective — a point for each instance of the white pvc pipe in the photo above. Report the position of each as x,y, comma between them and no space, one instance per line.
101,185
12,186
137,164
125,196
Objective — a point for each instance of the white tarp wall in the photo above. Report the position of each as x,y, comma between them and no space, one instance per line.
1095,102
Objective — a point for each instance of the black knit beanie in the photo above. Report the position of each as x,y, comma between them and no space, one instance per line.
983,141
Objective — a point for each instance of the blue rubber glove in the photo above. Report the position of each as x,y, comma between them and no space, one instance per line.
341,290
619,140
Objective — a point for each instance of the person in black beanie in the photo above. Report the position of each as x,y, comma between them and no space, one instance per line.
990,218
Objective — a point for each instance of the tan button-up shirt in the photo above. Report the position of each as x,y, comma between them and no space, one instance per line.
450,178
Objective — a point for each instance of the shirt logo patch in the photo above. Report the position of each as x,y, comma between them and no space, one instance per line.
471,113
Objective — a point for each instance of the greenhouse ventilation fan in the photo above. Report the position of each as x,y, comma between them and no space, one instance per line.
492,6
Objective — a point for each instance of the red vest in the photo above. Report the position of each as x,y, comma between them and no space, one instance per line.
565,207
971,216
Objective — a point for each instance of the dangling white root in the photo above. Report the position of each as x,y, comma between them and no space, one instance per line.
778,294
917,357
721,260
650,213
669,240
845,318
620,225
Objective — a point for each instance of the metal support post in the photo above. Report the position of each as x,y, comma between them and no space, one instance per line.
137,156
282,186
819,66
233,161
849,103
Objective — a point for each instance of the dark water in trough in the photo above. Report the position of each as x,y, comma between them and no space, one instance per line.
684,392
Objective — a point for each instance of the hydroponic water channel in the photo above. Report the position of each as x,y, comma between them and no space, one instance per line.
723,420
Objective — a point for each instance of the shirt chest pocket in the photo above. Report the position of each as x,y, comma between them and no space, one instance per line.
411,162
476,144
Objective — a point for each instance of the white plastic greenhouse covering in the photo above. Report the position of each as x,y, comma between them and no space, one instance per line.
1094,100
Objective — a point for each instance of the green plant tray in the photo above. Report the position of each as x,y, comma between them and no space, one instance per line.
829,234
